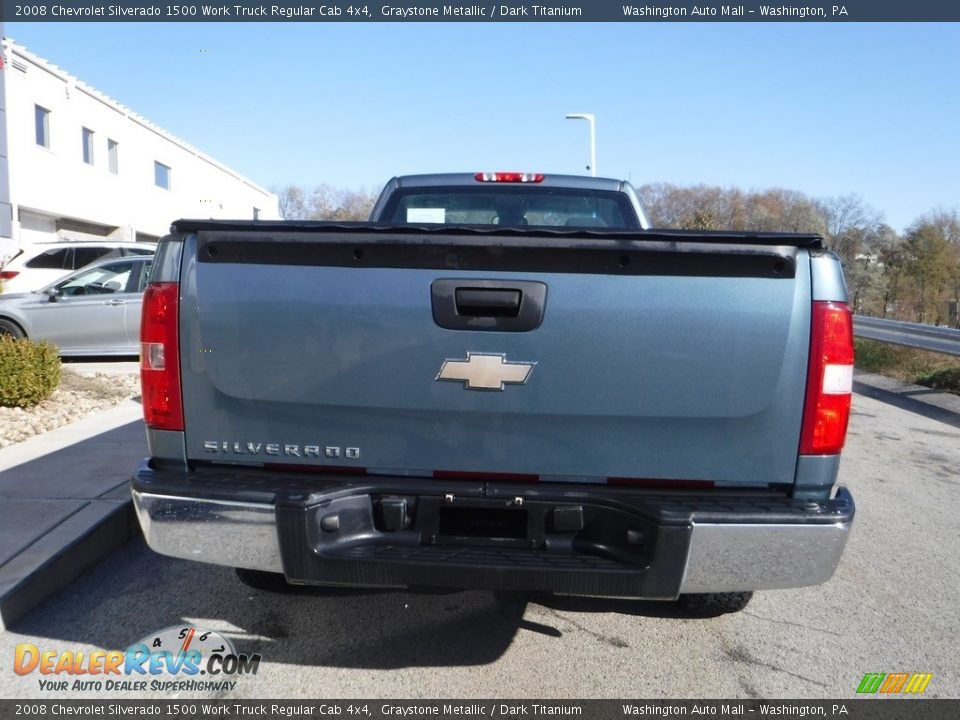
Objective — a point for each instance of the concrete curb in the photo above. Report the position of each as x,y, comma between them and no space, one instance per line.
62,555
64,504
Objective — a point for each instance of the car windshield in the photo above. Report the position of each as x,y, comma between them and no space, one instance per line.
100,280
512,207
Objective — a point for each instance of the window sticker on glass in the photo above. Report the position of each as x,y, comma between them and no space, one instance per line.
426,215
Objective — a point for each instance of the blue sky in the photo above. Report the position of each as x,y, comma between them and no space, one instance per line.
866,109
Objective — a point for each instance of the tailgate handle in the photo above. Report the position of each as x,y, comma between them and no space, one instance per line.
488,302
499,305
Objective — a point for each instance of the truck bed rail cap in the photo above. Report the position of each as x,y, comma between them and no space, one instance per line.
802,240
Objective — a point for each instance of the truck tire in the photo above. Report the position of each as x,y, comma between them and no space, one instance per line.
714,604
11,329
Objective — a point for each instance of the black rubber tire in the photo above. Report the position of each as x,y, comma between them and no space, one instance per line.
714,604
8,327
262,580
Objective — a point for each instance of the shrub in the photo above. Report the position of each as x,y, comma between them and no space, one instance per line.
29,372
947,380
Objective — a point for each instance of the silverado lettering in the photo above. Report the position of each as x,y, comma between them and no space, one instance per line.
292,449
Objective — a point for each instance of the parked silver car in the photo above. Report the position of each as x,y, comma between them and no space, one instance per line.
94,311
40,264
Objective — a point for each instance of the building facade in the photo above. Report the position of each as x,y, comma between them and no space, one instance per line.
77,165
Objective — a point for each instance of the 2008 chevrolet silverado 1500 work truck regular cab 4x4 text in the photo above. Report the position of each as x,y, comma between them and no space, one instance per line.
503,381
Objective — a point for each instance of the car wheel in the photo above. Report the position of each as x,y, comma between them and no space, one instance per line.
714,604
10,329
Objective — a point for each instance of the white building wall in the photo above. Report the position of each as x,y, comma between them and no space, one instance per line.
57,183
6,211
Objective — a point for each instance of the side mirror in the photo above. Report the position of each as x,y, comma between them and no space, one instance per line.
53,294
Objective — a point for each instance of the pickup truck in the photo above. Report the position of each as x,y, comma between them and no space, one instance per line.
503,381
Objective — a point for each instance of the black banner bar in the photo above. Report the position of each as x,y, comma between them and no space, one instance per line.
885,708
480,11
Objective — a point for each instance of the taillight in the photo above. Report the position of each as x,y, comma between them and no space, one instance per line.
8,274
509,177
829,380
160,357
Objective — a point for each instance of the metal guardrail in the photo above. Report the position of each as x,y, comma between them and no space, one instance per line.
915,335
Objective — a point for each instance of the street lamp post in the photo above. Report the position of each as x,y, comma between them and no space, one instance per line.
589,117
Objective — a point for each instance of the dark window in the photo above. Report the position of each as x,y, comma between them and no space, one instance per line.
88,146
61,259
144,276
85,255
513,206
256,213
138,251
42,121
112,156
161,175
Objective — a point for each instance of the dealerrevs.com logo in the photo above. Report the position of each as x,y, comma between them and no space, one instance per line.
176,659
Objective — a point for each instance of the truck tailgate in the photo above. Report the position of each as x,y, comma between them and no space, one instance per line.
652,359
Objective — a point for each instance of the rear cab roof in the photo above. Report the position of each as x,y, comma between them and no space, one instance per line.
468,179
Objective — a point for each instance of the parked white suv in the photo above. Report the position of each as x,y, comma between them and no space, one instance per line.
40,264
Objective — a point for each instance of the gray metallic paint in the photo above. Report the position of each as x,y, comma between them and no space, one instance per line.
827,277
719,362
167,446
816,475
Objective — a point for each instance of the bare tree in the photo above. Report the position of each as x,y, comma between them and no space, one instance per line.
293,203
714,208
325,202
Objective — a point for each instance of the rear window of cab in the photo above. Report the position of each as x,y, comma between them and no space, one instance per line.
512,207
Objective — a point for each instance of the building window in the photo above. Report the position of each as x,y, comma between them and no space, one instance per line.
161,175
88,146
42,121
256,213
112,156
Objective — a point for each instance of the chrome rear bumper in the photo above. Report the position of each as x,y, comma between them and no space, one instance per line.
696,556
731,558
242,535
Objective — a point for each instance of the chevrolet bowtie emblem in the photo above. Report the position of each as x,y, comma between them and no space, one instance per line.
485,372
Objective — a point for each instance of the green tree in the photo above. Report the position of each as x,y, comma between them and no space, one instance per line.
930,265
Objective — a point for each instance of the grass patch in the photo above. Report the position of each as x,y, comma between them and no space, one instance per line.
918,367
947,380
